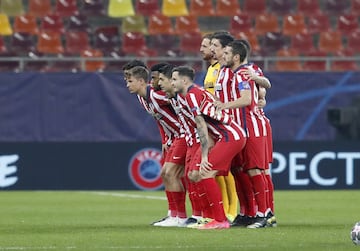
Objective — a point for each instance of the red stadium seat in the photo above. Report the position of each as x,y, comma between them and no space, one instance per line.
186,24
318,23
190,43
354,41
281,7
227,8
52,22
66,8
272,42
303,42
78,23
26,23
92,7
147,7
132,42
347,23
330,41
22,43
344,65
355,7
165,44
3,47
241,23
76,42
335,7
201,8
160,24
309,7
293,24
266,22
315,65
254,8
39,8
9,66
107,38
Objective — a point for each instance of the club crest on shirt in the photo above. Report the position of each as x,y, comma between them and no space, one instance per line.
144,169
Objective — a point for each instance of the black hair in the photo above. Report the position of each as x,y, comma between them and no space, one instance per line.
167,70
186,71
239,48
132,64
157,67
139,72
247,44
224,38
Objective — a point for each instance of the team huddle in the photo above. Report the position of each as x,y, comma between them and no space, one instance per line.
216,139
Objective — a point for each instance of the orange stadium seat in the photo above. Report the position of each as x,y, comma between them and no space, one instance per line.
201,8
266,22
5,25
97,65
147,7
186,24
288,65
354,41
26,23
133,42
315,65
254,8
190,42
293,24
39,8
160,24
342,65
134,23
49,42
22,43
318,23
52,22
333,7
330,41
107,38
76,41
355,7
303,42
174,8
92,7
252,38
78,22
66,8
347,23
120,8
227,8
281,7
12,7
241,23
308,7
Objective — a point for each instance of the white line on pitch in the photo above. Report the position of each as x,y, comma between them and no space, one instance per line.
134,196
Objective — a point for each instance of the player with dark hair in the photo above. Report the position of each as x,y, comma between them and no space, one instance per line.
206,163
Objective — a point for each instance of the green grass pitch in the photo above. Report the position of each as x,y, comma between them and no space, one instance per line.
119,220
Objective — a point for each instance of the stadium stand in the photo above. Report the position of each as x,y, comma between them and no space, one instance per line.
12,7
303,42
347,23
241,23
318,23
76,42
50,42
52,22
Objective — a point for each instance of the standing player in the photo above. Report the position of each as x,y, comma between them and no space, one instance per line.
156,103
254,157
226,134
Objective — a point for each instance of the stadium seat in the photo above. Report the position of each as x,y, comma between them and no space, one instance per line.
3,47
355,7
66,8
318,23
76,42
115,65
39,8
281,7
5,26
120,8
201,8
78,22
9,66
174,8
186,24
160,24
36,64
347,23
272,42
52,22
49,42
63,65
353,41
315,65
335,7
22,43
132,42
165,44
288,65
344,65
227,8
266,22
252,38
330,41
147,7
303,42
25,23
92,8
241,23
190,43
308,7
107,38
12,7
254,8
134,23
92,66
293,24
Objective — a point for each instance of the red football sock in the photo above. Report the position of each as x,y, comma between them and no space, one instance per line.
171,204
194,199
270,185
213,194
259,192
179,198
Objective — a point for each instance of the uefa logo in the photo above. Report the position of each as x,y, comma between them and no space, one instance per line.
144,169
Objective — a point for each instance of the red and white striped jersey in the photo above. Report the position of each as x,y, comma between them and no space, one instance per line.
157,105
226,91
255,123
220,124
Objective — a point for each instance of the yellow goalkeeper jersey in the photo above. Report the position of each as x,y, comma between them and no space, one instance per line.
211,76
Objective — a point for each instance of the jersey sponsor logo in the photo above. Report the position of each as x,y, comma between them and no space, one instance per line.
144,169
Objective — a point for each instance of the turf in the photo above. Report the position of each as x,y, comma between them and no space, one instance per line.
119,220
